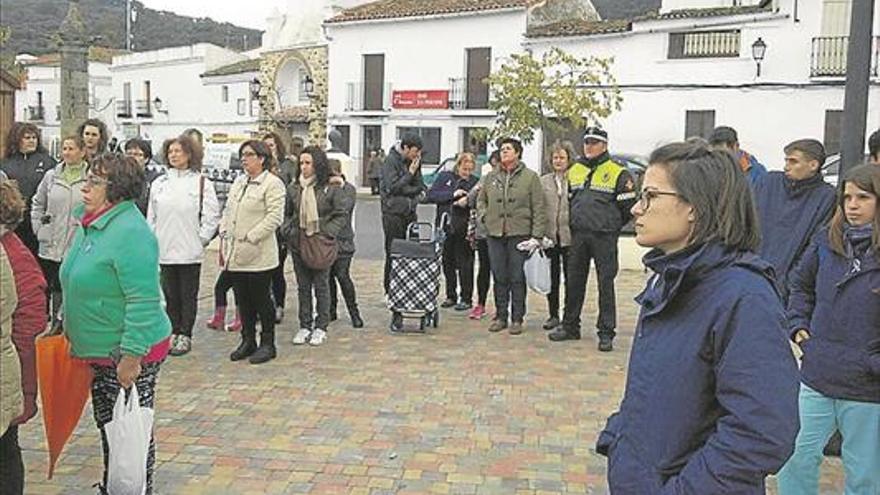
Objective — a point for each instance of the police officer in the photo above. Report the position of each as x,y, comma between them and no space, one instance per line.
601,193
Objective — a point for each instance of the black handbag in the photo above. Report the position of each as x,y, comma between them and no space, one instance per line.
317,251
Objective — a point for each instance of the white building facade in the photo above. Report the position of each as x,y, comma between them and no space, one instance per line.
691,68
419,73
40,101
160,93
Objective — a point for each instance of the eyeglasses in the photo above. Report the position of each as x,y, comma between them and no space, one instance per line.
247,154
96,181
645,196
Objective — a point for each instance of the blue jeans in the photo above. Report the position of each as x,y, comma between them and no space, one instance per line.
858,422
510,280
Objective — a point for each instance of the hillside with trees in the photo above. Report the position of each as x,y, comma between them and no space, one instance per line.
32,25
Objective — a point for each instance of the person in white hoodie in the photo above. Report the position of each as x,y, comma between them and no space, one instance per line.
184,213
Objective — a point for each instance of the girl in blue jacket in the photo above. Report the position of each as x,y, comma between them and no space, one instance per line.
710,405
834,315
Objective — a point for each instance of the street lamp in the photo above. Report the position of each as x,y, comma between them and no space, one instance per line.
157,104
255,88
759,49
309,85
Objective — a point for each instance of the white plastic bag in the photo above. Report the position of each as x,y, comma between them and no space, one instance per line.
537,268
128,436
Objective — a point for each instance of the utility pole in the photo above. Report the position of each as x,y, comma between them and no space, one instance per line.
128,25
858,75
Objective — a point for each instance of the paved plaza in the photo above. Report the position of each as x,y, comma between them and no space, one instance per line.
458,410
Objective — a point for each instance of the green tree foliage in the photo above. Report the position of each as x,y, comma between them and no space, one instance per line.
531,93
34,22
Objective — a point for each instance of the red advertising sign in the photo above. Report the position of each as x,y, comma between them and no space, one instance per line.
432,99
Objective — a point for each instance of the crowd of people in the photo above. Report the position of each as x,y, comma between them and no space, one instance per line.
745,263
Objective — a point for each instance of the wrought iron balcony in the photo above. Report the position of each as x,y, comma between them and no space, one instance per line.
704,44
828,57
143,108
359,98
35,113
123,108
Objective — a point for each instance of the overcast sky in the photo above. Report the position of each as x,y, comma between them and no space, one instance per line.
251,14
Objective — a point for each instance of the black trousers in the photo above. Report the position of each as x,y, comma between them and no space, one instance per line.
25,232
601,248
105,389
341,272
484,272
374,186
180,284
54,299
221,287
394,227
254,300
558,260
279,284
510,280
11,467
308,282
458,268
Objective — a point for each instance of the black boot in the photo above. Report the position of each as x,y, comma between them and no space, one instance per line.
266,351
245,349
356,320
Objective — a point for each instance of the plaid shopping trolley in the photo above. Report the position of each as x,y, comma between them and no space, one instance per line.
415,276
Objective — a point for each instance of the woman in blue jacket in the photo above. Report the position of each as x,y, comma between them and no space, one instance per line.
834,315
710,405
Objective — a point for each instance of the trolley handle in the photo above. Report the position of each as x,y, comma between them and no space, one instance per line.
435,230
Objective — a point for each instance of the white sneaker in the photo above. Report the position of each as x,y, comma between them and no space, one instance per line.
318,337
302,336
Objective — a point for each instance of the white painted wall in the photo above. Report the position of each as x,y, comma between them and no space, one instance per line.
188,100
766,118
668,5
420,54
47,80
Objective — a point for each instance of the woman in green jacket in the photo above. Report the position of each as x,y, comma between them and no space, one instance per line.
114,319
511,205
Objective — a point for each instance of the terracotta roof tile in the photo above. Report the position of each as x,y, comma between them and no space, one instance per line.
299,114
578,27
96,54
707,12
391,9
250,65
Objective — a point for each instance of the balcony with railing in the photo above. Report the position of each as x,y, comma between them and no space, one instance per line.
464,96
143,108
123,108
704,44
35,113
367,98
828,56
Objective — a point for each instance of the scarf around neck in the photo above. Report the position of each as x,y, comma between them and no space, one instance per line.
857,240
308,206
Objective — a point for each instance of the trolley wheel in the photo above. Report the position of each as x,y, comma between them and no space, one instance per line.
436,318
423,321
396,322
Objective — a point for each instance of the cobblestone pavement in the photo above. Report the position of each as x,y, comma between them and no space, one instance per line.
458,410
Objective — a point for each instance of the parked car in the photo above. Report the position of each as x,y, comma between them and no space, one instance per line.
636,164
831,168
430,173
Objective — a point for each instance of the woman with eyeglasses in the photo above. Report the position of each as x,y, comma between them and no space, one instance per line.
113,314
140,150
834,316
254,210
58,194
710,404
314,208
183,212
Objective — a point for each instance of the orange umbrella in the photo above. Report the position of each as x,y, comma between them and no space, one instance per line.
64,383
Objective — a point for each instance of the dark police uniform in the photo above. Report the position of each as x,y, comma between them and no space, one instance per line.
601,193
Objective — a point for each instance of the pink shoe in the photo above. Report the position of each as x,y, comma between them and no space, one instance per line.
235,326
218,322
477,313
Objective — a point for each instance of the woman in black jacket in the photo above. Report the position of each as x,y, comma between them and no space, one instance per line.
314,207
26,162
450,192
341,270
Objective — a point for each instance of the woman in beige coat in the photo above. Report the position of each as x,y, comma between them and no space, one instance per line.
555,187
254,210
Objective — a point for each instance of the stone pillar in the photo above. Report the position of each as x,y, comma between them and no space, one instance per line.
74,44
